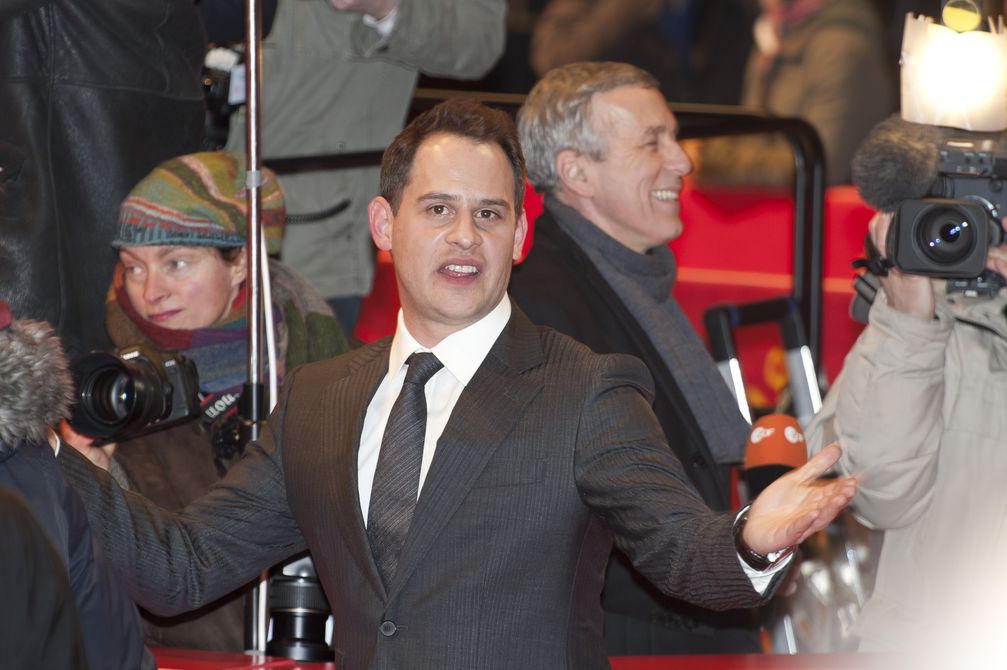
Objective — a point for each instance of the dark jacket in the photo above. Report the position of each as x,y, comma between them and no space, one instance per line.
550,454
39,625
113,637
557,285
93,95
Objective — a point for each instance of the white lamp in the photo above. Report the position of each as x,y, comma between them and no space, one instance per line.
951,78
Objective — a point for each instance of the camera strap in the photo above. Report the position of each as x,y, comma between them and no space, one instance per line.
220,418
873,261
215,407
866,284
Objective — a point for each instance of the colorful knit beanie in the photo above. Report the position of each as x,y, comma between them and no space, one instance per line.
198,200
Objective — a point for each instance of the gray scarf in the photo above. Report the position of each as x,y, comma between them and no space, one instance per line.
643,283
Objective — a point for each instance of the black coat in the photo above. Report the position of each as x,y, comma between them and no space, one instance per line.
93,95
113,637
39,625
557,285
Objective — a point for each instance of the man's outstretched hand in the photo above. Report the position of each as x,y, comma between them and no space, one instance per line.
798,504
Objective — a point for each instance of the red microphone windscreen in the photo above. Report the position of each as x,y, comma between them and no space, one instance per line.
775,439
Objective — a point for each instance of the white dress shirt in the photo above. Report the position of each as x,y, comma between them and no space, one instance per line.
461,353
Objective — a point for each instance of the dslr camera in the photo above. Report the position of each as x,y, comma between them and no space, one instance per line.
131,392
949,232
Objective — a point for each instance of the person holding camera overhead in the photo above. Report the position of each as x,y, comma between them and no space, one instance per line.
920,409
180,286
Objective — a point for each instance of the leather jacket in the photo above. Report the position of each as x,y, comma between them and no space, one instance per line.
92,97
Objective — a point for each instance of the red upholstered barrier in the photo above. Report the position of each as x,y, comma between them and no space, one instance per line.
183,659
736,247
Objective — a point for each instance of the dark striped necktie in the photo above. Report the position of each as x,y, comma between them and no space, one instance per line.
397,477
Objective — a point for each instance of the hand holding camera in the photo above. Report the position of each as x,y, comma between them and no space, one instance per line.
909,293
99,455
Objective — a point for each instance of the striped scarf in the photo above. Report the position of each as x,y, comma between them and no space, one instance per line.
220,352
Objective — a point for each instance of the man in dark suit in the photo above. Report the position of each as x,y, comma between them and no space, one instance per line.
600,143
482,543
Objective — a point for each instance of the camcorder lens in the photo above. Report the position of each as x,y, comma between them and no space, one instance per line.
946,235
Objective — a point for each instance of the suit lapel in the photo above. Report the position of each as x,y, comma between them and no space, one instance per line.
348,399
490,406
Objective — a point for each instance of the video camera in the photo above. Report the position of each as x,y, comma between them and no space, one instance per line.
949,232
131,392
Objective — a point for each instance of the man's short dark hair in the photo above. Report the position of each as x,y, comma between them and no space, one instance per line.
458,116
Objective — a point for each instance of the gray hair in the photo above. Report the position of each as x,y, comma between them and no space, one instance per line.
556,115
35,385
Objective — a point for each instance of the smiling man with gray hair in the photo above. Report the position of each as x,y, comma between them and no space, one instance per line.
600,142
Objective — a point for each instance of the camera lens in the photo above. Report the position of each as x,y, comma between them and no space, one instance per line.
116,396
946,235
299,612
112,393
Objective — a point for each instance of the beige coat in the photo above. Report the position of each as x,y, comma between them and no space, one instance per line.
831,72
920,410
331,84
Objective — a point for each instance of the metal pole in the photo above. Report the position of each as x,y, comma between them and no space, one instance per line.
256,607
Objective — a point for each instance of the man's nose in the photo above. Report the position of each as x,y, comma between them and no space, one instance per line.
675,158
464,232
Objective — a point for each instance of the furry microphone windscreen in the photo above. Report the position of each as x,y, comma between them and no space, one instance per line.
897,161
36,388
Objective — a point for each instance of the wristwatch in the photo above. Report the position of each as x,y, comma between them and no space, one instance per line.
752,558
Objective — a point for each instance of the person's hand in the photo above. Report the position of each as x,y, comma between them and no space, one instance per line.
798,504
907,293
377,9
100,456
996,259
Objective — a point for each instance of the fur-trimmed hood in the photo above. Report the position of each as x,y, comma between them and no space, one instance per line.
36,389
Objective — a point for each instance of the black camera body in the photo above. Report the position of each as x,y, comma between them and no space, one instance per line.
949,233
132,392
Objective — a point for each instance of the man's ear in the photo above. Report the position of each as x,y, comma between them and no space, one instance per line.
380,217
520,232
573,173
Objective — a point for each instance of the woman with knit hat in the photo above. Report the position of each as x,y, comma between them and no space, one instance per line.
180,285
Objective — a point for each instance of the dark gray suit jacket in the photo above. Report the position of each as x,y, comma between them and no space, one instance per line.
551,452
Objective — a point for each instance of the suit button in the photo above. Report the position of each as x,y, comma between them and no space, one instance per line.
388,628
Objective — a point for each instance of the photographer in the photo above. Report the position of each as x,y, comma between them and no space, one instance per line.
180,286
919,409
35,393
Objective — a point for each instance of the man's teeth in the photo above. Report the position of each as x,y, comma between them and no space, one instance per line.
461,269
665,194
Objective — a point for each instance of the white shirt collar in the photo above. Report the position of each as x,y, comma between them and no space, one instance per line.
461,352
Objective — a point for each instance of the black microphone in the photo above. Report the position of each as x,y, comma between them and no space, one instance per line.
897,161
